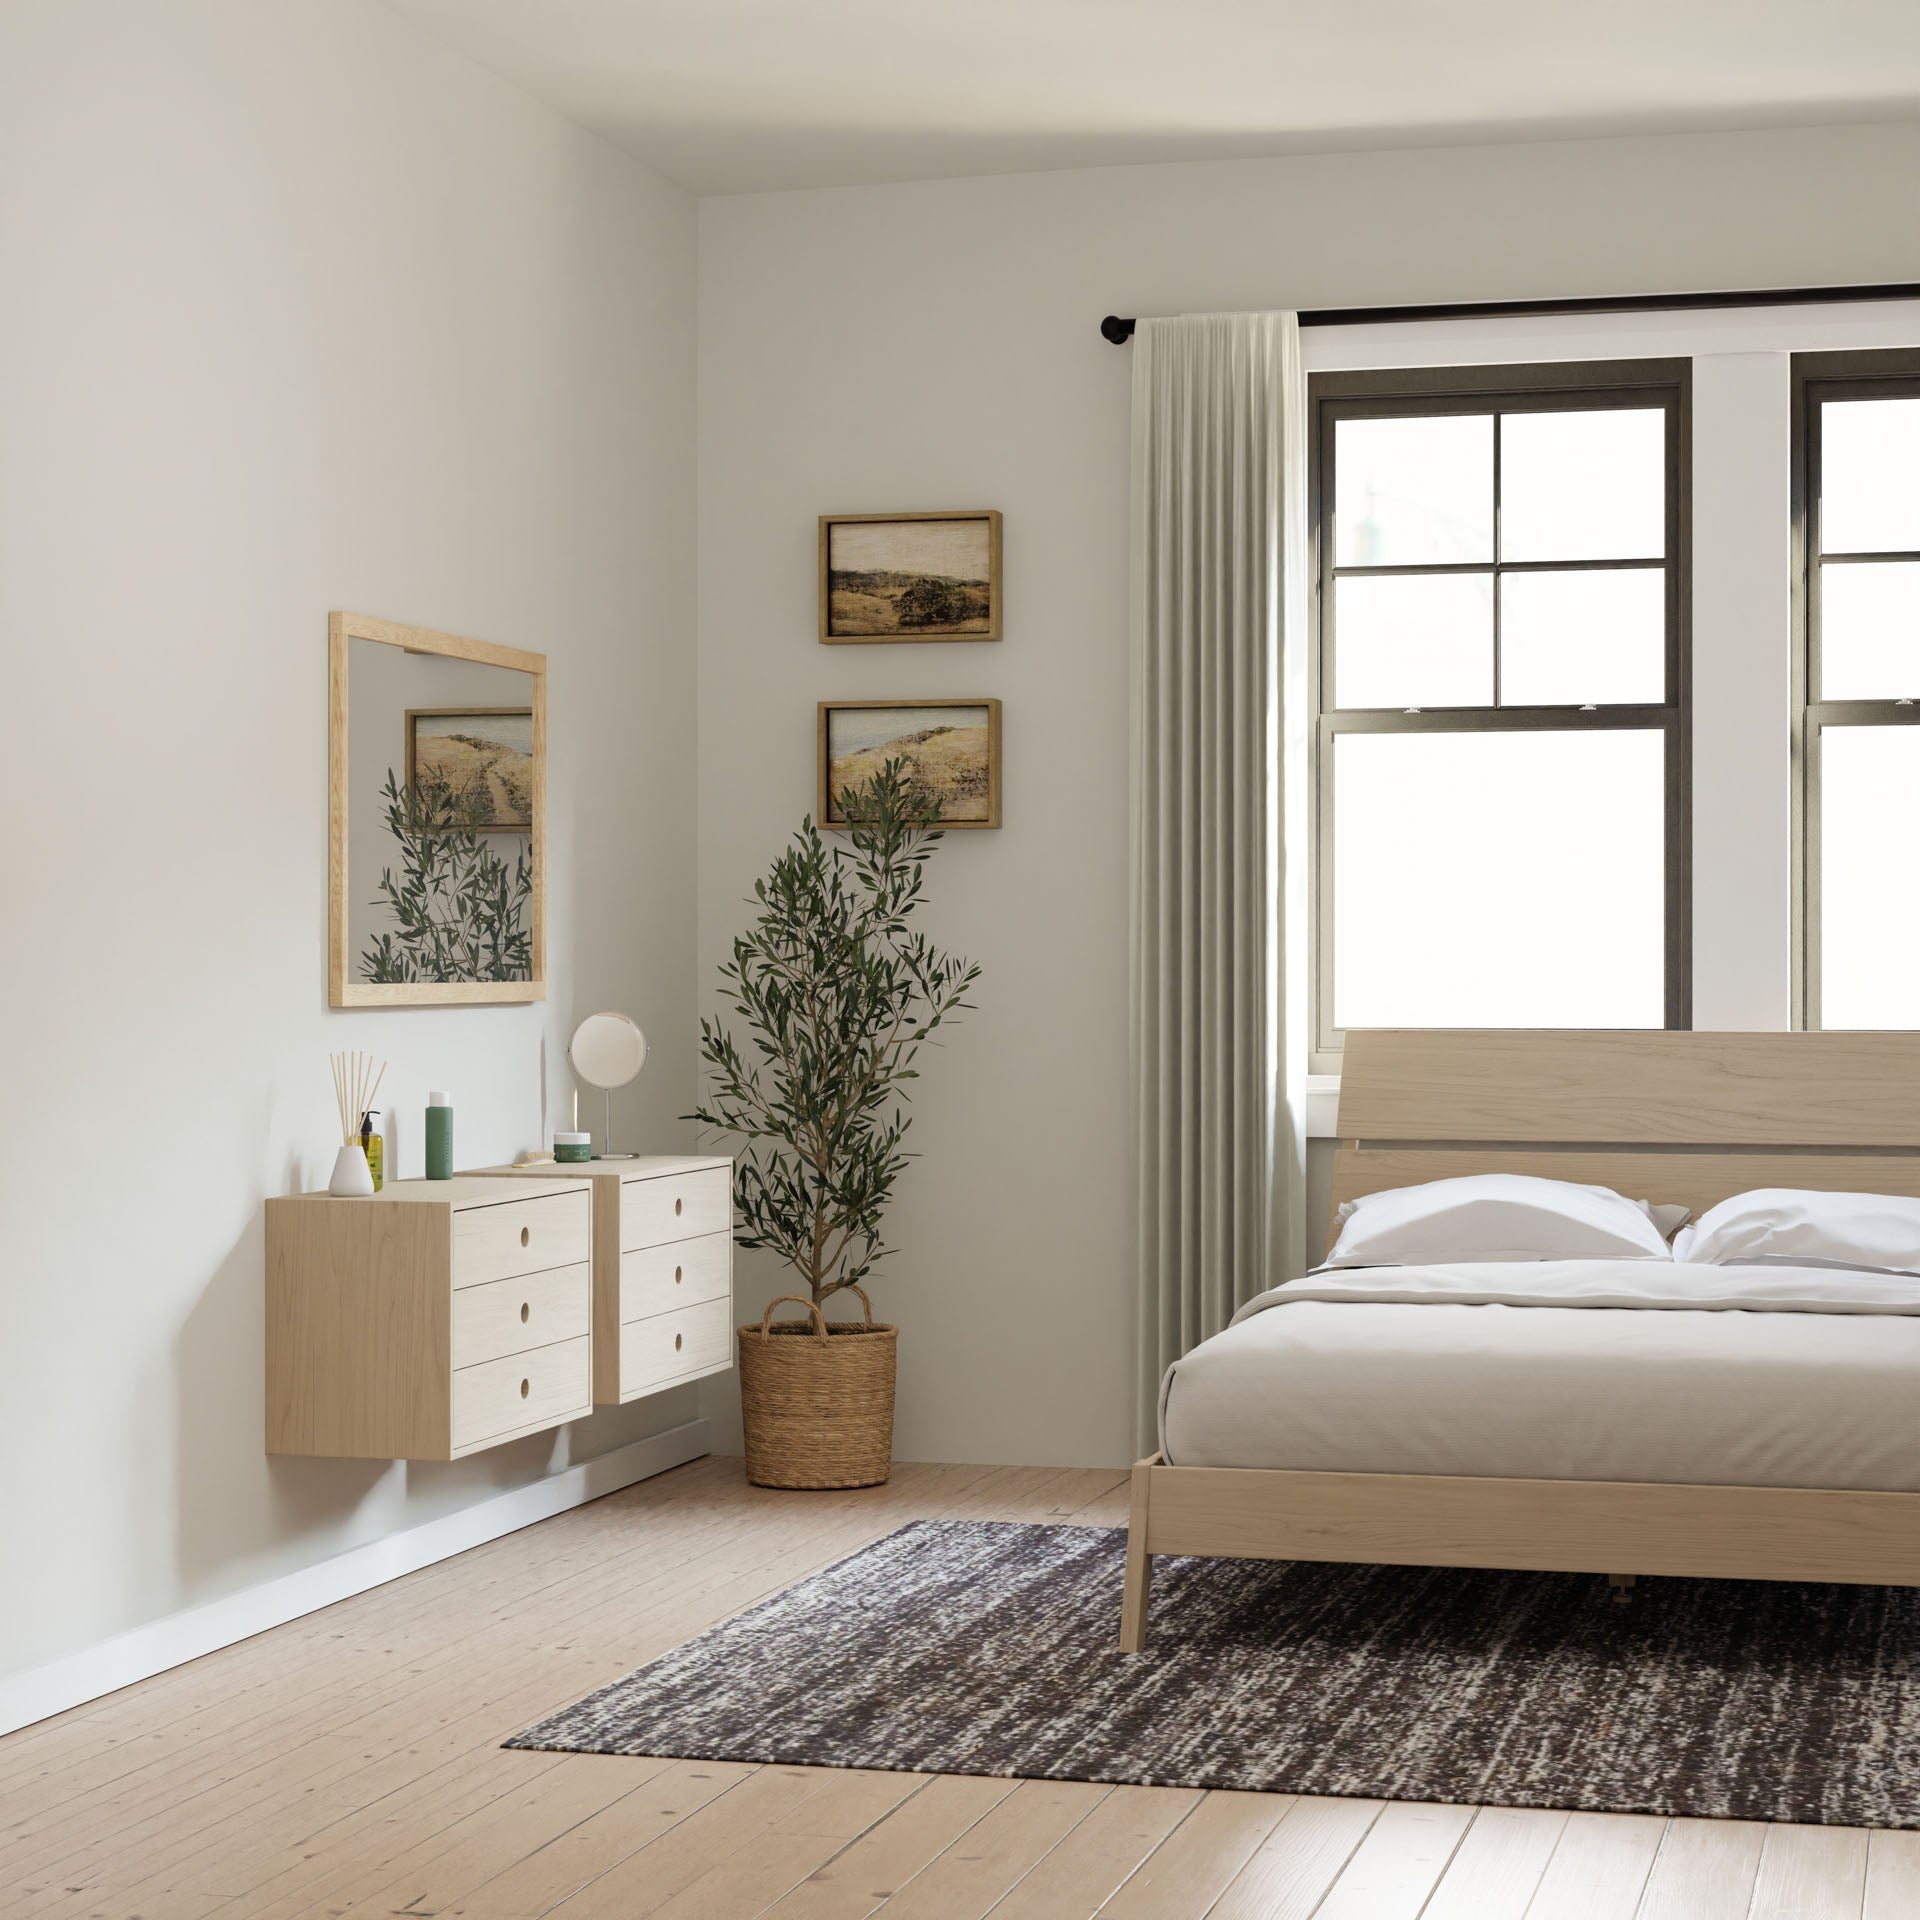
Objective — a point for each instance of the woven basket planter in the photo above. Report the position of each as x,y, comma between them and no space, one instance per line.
816,1397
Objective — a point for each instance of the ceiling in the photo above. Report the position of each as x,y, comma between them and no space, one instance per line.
737,96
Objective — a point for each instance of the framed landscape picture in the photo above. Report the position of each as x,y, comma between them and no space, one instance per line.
481,753
909,576
950,750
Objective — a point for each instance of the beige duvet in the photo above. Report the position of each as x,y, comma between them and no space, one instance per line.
1565,1370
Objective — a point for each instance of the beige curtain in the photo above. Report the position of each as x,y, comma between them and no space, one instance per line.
1218,553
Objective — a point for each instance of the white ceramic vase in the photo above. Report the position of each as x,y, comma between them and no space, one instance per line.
351,1174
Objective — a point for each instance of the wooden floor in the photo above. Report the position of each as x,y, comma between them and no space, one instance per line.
349,1764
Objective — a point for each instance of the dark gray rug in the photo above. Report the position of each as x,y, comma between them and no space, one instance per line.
982,1647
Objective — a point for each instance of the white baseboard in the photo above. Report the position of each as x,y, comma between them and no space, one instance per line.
145,1651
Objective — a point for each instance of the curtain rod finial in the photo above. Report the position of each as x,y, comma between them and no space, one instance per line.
1117,330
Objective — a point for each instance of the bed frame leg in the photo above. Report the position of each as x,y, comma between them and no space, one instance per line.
1139,1588
1622,1585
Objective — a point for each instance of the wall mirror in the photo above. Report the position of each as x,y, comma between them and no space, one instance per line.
437,774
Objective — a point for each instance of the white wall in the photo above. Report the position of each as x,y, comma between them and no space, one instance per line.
298,311
301,311
935,346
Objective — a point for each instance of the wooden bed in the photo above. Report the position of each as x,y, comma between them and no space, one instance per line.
1665,1117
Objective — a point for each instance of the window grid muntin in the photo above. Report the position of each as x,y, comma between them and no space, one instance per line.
1817,378
1549,388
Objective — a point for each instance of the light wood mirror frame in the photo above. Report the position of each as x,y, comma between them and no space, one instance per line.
342,990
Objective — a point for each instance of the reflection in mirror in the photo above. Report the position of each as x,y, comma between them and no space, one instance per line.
440,862
442,790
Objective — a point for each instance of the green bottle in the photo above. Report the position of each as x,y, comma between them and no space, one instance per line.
439,1136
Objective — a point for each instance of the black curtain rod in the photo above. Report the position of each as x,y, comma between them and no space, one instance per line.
1120,330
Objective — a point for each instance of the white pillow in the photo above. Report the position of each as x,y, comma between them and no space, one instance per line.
1494,1216
1668,1218
1797,1226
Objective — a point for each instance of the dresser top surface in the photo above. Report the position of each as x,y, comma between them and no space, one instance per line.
647,1166
463,1190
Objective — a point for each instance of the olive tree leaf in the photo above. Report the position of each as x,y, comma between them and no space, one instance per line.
836,990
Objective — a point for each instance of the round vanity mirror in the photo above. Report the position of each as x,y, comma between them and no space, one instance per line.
607,1050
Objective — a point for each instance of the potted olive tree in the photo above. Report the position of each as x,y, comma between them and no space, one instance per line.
835,991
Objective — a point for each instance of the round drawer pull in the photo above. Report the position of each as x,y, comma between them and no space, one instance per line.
524,1385
677,1338
526,1307
526,1234
676,1276
676,1208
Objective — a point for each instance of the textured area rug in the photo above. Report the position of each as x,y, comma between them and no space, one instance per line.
984,1647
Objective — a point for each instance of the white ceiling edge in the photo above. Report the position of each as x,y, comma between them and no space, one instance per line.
725,97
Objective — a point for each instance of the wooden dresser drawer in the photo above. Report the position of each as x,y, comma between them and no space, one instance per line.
669,1346
662,1247
509,1316
680,1274
400,1326
521,1236
675,1207
531,1390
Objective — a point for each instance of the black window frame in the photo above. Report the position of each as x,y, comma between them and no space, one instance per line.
1869,374
1550,387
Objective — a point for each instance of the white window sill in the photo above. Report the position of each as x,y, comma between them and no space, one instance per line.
1323,1106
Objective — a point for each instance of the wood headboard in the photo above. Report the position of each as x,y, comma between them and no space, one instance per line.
1666,1117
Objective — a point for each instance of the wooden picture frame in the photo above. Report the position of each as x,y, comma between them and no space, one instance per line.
871,753
416,714
876,617
343,990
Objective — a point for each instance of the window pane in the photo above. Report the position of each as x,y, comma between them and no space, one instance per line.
1583,486
1499,879
1411,492
1594,636
1870,631
1870,476
1869,908
1413,640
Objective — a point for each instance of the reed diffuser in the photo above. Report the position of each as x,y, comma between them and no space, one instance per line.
356,1079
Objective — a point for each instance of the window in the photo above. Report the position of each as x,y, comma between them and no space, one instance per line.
1500,673
1857,605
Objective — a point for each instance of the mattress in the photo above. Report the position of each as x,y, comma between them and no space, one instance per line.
1640,1370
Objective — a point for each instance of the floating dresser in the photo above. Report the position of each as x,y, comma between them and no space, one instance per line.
662,1269
431,1320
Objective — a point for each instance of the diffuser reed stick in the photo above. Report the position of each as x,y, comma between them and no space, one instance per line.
356,1079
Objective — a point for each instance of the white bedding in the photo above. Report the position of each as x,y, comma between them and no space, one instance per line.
1565,1370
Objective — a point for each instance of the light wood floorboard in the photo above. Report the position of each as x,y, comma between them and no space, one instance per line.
1397,1866
348,1766
1599,1868
1498,1866
1811,1873
1303,1856
1703,1871
1893,1875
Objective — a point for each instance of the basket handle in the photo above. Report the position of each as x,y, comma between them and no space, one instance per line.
797,1300
851,1287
